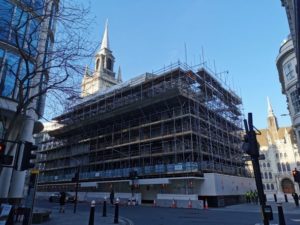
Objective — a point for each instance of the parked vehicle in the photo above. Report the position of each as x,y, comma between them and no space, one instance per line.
56,196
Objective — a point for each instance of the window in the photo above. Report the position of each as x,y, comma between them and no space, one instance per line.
270,175
264,186
280,155
295,101
298,163
264,165
266,175
276,155
262,175
288,167
9,75
268,164
272,186
279,167
283,167
288,71
268,187
285,155
6,12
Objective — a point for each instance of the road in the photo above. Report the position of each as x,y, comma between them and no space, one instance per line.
148,215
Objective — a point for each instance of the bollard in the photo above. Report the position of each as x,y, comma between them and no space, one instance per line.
104,208
116,219
280,215
275,198
92,213
285,197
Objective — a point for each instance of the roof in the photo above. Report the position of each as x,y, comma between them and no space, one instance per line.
263,138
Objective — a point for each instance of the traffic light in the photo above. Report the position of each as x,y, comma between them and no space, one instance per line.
296,175
28,154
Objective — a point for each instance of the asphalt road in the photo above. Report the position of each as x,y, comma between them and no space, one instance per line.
147,215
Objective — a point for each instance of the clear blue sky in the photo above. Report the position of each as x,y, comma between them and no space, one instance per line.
240,36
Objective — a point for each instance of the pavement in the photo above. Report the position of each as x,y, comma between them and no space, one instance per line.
288,207
241,214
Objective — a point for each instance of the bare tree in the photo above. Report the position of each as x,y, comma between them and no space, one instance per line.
48,43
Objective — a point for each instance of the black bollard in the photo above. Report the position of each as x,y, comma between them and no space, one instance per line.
275,198
285,197
280,215
116,219
92,213
104,208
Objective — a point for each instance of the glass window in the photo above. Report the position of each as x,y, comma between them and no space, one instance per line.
288,167
19,23
288,71
268,164
33,37
285,155
298,163
295,101
266,175
279,167
6,12
283,167
268,187
280,155
272,186
9,75
264,165
270,175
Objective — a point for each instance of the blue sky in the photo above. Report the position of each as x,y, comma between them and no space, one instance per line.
242,37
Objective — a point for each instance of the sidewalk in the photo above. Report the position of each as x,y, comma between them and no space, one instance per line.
80,218
288,208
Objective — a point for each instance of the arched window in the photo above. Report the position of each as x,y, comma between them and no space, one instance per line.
272,186
288,167
279,167
264,165
268,187
266,175
268,164
283,167
270,175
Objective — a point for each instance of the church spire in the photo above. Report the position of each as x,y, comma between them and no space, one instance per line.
105,41
272,120
270,109
119,75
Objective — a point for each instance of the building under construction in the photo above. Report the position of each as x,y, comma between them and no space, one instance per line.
175,131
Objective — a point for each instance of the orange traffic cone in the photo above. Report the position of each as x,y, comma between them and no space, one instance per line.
154,203
190,204
205,204
173,204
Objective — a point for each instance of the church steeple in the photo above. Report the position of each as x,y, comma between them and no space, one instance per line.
272,120
104,76
105,40
270,109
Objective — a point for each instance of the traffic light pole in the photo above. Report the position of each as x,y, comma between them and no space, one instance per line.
254,152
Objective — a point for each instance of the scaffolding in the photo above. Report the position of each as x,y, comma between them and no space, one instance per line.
174,122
